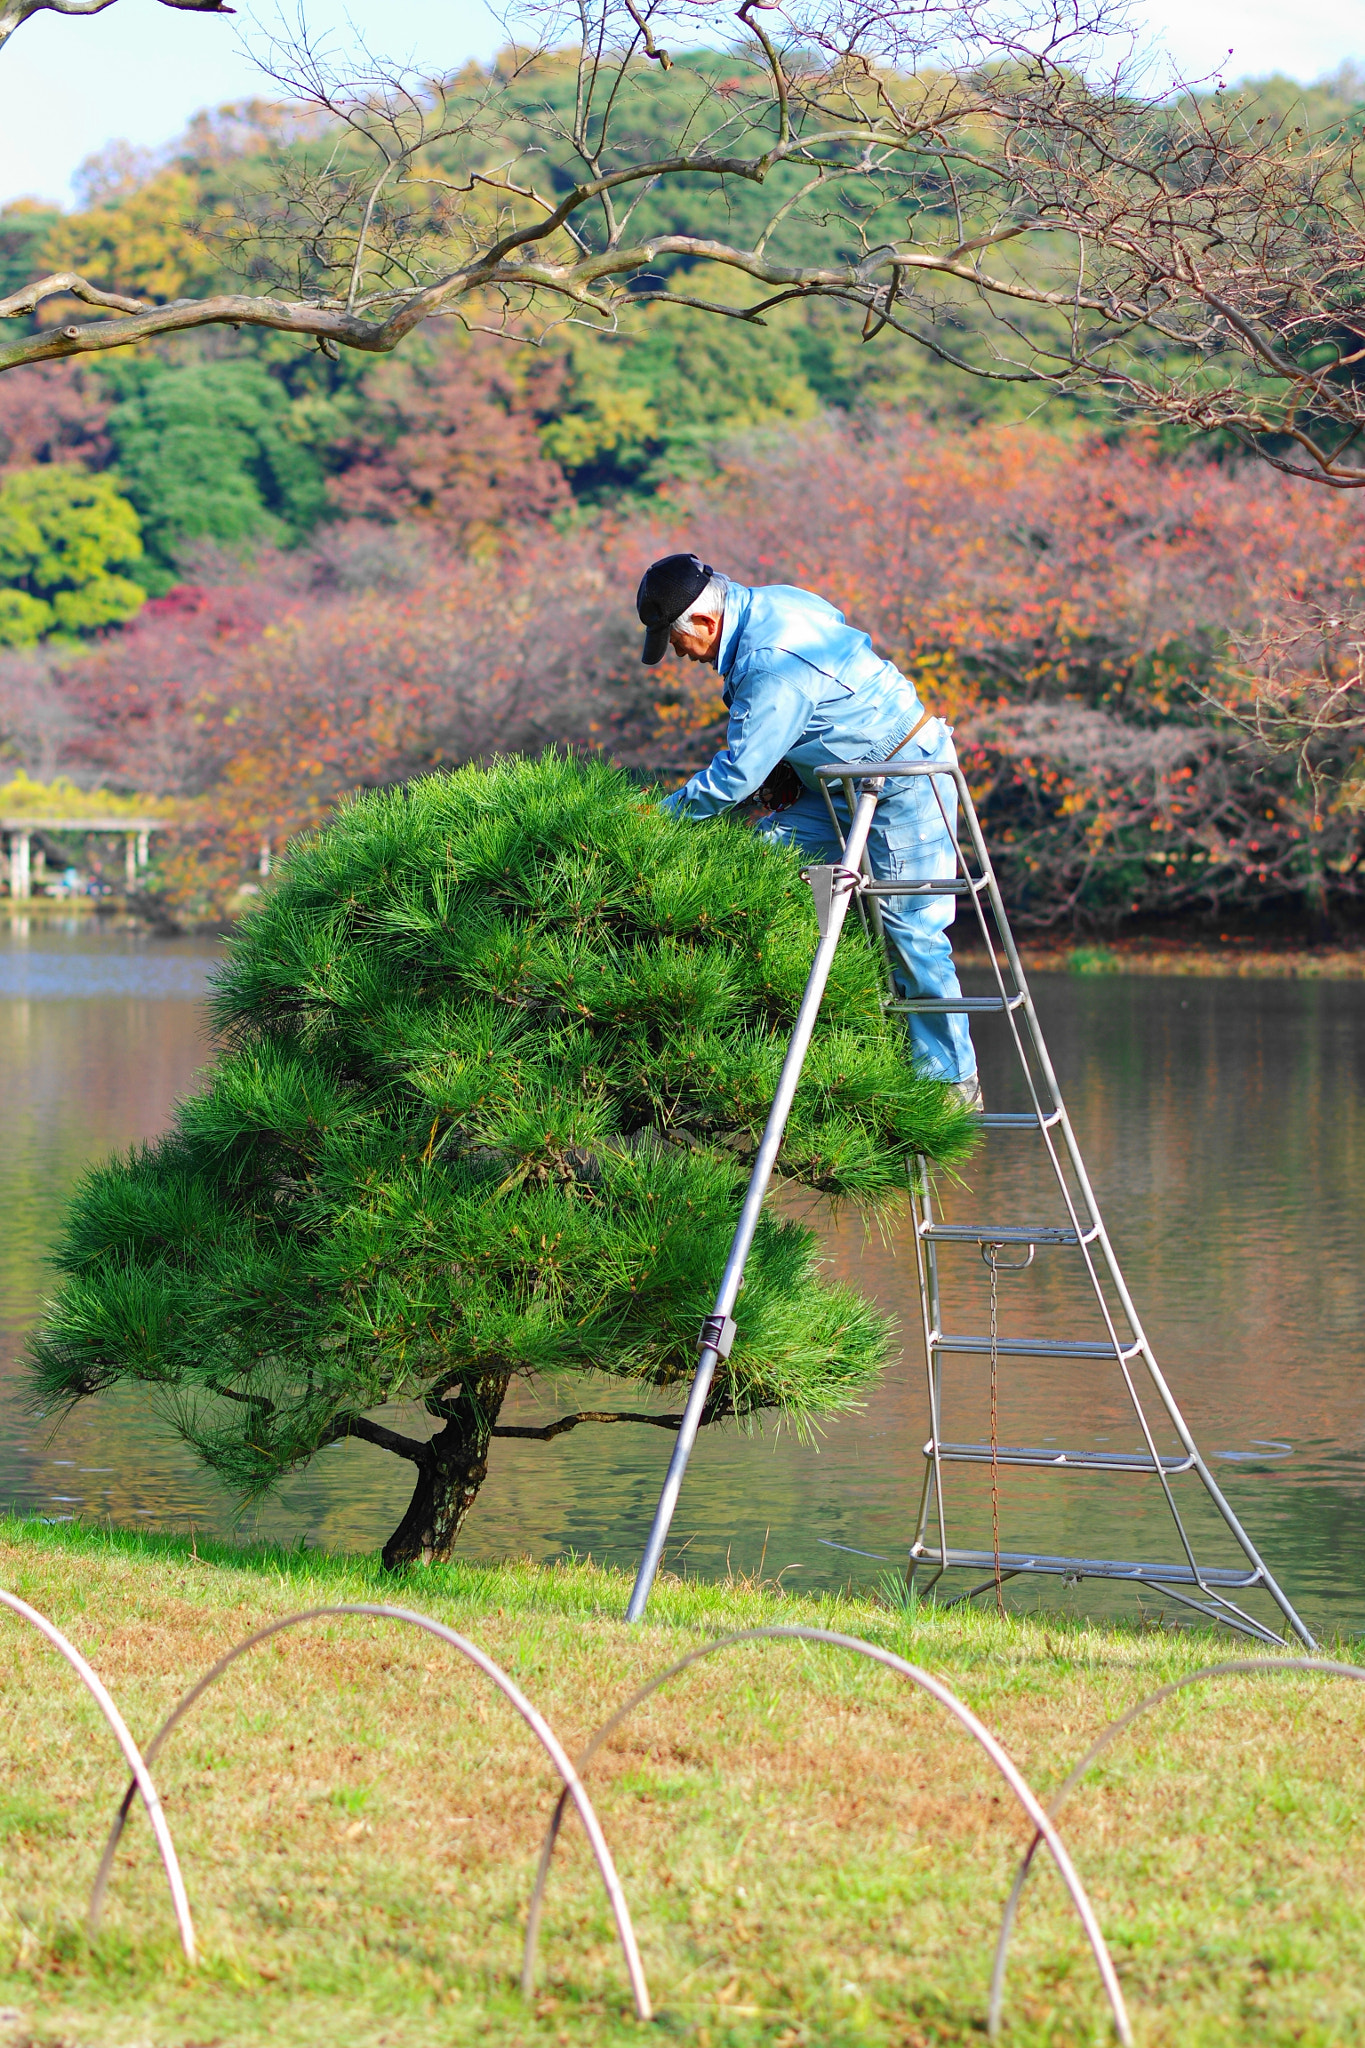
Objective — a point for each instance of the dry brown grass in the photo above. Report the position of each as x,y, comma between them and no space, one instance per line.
813,1855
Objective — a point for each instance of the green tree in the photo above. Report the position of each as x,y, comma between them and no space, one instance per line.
654,403
212,451
64,535
494,1054
141,228
25,225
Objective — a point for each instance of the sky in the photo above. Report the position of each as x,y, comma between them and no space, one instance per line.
136,73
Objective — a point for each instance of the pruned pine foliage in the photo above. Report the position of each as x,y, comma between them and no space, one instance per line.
494,1054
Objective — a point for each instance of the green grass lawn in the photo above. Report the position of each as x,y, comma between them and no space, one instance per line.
812,1852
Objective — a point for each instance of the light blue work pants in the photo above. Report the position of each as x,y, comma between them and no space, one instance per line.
909,842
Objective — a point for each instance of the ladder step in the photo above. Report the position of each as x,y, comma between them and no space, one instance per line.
955,1006
865,771
1044,1459
959,887
1018,1120
1033,1347
1003,1233
1242,1578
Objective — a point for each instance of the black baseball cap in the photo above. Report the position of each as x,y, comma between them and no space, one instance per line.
668,589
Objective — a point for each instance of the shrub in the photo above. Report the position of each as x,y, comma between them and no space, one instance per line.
494,1053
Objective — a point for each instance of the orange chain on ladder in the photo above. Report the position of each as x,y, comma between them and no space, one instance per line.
991,1254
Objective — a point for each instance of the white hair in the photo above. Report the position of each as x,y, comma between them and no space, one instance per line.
709,603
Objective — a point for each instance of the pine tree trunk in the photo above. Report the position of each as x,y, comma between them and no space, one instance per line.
453,1467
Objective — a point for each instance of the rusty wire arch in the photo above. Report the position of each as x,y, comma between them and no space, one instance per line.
141,1783
1324,1667
937,1690
534,1720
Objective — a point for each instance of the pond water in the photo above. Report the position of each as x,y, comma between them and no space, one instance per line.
1223,1123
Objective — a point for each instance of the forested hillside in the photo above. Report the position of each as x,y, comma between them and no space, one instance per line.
248,574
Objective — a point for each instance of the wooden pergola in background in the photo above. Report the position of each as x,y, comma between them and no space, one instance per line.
137,834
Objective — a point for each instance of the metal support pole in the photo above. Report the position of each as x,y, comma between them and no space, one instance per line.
717,1332
130,859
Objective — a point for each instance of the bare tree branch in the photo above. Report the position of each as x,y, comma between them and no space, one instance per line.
66,284
984,178
1296,686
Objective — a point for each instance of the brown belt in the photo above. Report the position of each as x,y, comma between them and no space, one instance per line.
923,719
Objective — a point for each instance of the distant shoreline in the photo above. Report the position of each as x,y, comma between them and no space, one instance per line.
1238,957
1231,959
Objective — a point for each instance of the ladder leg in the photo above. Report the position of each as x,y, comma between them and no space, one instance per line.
718,1329
926,1259
1084,1214
1108,1258
1124,1333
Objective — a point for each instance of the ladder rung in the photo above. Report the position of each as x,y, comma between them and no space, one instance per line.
959,887
1092,1567
956,1006
1018,1120
867,771
1043,1458
1033,1347
1003,1233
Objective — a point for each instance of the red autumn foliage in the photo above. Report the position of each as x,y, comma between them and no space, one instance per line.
1069,607
452,440
133,703
1072,608
262,703
50,414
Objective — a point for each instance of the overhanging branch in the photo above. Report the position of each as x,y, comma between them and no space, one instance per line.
1134,244
66,284
15,13
577,281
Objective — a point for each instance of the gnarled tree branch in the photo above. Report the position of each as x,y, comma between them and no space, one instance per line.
568,1422
14,13
968,176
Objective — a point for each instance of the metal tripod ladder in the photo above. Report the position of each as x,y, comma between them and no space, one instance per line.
1209,1589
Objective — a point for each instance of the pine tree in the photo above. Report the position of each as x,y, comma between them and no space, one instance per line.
493,1056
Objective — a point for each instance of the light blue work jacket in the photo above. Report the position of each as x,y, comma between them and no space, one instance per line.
801,686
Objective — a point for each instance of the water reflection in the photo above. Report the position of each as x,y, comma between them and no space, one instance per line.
1222,1123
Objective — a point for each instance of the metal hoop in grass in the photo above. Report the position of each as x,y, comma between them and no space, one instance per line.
1322,1666
133,1757
936,1689
535,1721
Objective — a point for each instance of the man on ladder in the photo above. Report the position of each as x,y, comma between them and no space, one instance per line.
805,690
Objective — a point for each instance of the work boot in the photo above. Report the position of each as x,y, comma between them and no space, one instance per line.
968,1093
